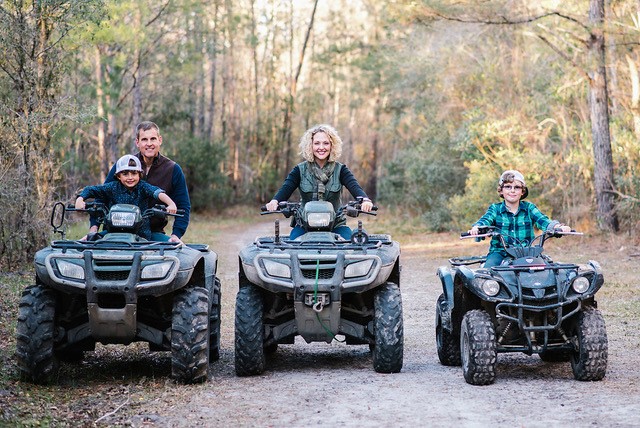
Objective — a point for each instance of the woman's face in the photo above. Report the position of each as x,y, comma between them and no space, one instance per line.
321,147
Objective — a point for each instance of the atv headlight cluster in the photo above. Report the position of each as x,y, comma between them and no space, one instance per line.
277,269
156,270
358,269
318,219
488,286
70,270
123,219
580,284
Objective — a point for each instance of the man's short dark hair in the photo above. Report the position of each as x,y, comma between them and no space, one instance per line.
145,126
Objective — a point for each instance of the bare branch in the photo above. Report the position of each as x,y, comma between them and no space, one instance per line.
564,56
622,195
159,14
504,20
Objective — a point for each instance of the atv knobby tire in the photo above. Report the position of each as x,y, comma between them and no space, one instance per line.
388,327
589,361
249,329
190,335
214,322
35,334
447,344
478,348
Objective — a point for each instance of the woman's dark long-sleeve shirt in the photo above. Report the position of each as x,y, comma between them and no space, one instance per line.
292,182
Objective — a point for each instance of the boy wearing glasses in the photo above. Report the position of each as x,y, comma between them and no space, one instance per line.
128,189
514,217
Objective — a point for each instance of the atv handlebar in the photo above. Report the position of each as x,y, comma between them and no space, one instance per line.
491,231
100,209
351,208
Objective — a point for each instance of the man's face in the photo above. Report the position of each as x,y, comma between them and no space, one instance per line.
149,142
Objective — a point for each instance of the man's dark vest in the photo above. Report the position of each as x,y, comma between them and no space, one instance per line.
160,174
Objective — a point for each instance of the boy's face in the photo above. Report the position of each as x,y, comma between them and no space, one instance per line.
512,192
129,178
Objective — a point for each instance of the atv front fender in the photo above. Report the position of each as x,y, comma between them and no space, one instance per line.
446,306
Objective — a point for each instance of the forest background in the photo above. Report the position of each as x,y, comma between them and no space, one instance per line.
433,99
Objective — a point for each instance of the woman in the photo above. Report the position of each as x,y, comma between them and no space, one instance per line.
320,177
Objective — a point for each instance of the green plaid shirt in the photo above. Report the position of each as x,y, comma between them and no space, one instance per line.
518,225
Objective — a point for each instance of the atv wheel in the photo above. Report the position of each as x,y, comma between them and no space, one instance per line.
388,327
589,361
249,349
478,348
35,333
214,322
447,344
190,335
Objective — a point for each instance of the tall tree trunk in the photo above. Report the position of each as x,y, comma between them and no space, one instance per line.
213,48
635,95
599,112
102,156
137,84
289,105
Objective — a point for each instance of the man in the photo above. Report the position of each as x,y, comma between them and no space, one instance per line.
160,171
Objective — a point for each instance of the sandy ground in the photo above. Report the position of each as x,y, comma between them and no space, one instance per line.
335,384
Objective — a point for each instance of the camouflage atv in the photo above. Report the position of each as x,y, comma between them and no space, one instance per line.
319,286
119,288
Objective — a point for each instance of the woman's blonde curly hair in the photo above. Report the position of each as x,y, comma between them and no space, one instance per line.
306,142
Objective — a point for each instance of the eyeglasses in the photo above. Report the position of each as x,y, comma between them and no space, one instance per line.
510,187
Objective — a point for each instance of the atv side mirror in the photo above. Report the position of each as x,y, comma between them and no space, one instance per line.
57,218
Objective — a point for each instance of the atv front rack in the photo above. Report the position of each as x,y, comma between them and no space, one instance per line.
66,245
271,243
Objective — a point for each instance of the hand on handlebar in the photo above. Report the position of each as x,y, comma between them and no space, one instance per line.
80,204
366,206
172,208
272,205
474,231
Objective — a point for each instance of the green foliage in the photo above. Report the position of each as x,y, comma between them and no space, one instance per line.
202,165
422,178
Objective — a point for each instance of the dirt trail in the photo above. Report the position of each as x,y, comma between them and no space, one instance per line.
334,384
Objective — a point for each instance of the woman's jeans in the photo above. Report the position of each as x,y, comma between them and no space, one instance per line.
343,231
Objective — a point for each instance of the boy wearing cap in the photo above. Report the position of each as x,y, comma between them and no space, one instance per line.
513,216
128,189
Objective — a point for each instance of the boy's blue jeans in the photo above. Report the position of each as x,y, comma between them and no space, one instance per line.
493,259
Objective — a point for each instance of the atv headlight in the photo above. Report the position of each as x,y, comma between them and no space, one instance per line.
156,270
358,269
123,219
277,269
490,287
318,219
580,284
70,270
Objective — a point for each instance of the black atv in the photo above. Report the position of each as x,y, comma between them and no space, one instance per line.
119,288
319,286
527,304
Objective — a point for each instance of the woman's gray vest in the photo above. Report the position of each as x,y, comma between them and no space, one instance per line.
309,189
